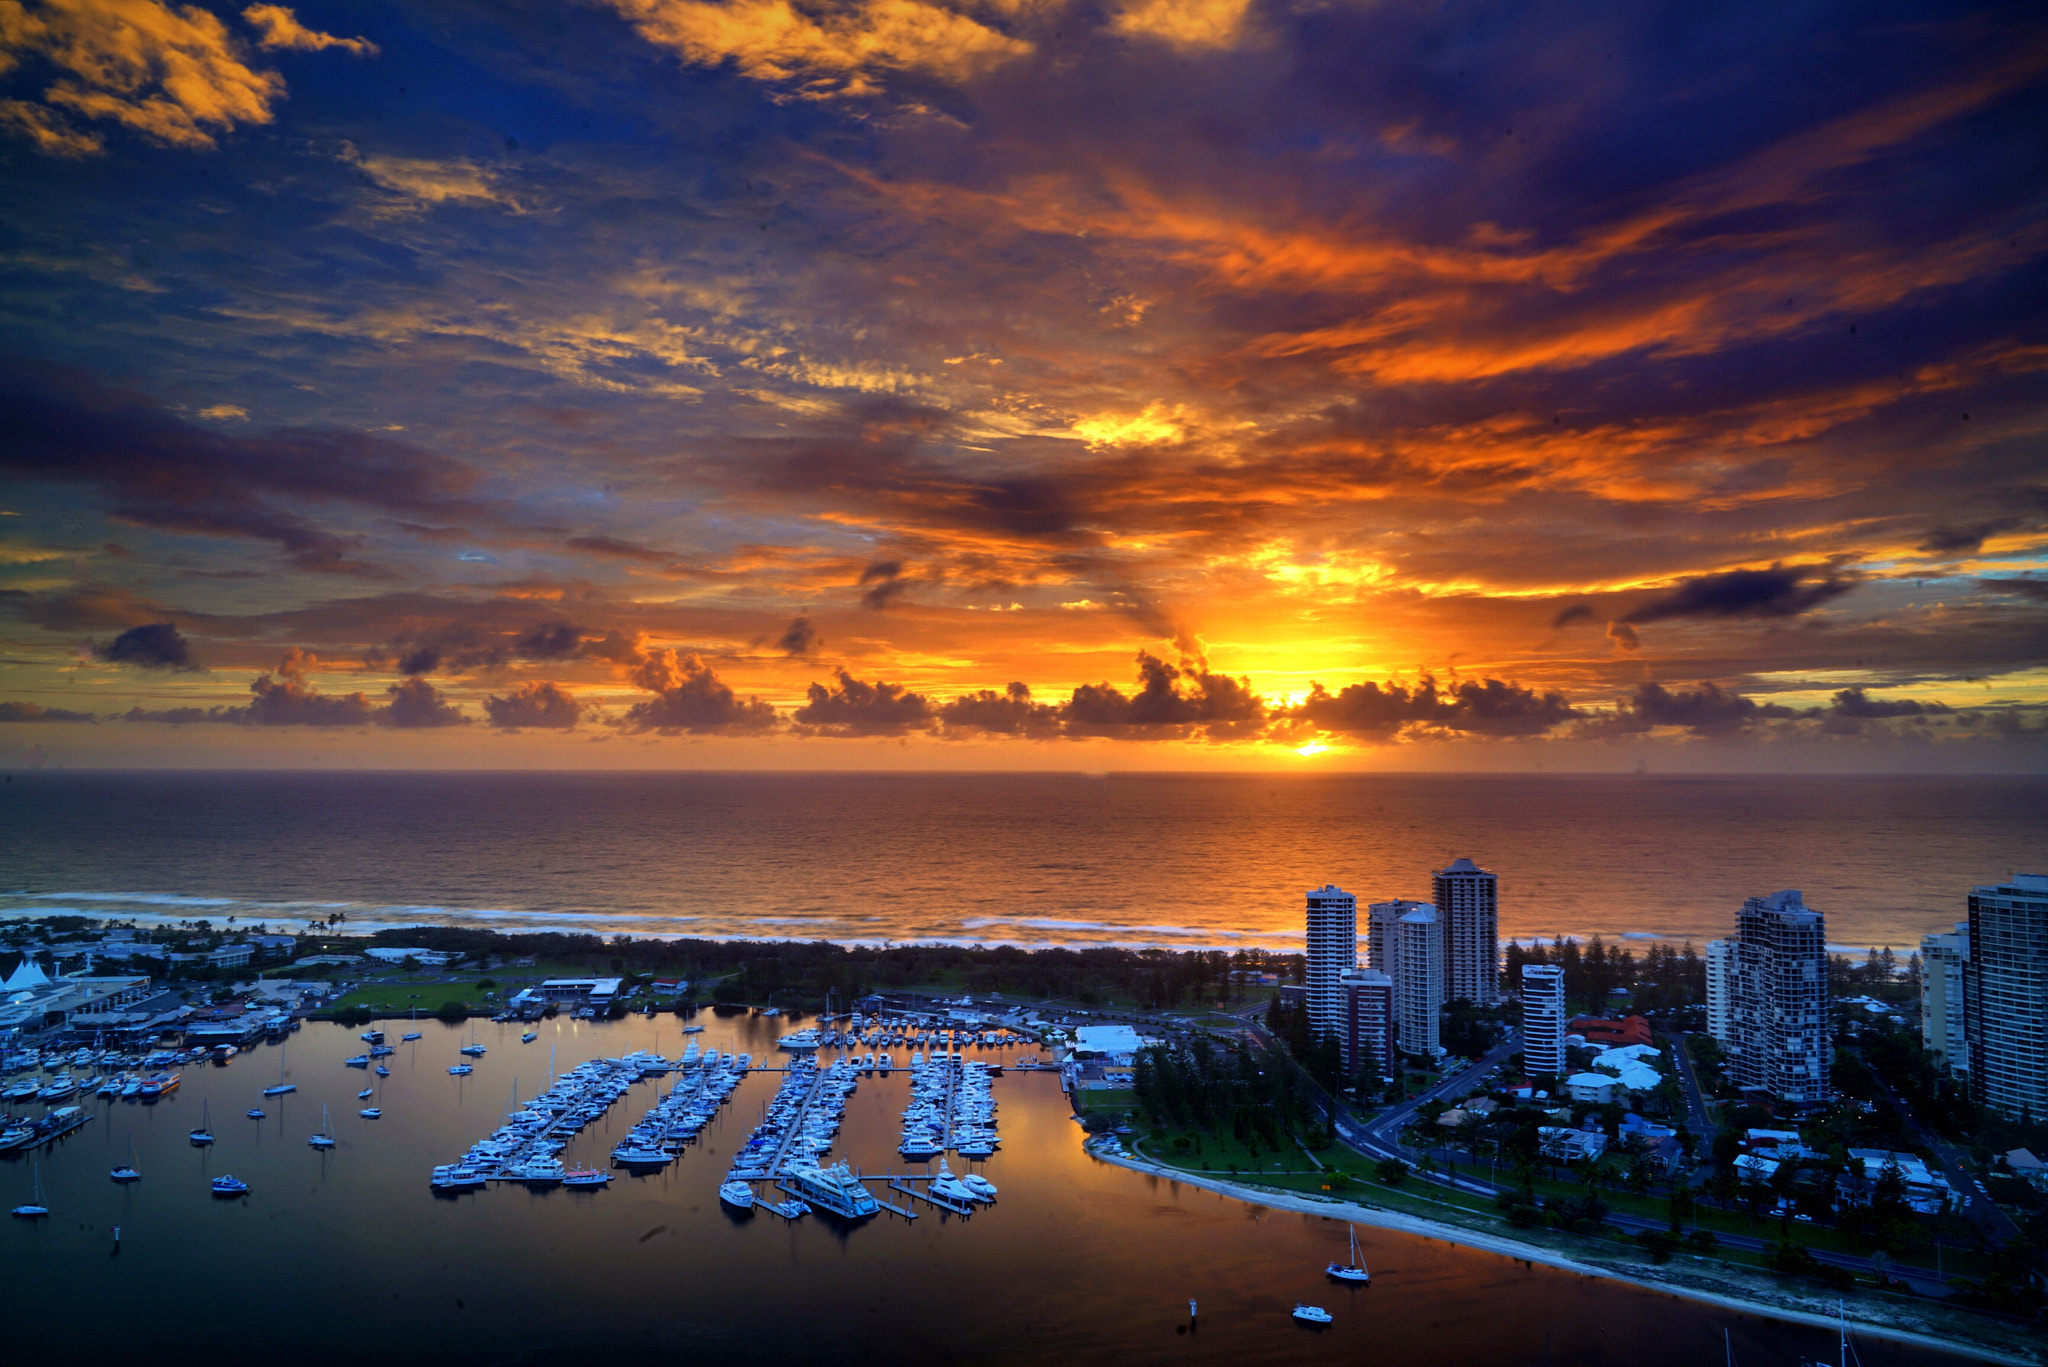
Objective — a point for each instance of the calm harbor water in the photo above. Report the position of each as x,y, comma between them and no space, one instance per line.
346,1256
1173,860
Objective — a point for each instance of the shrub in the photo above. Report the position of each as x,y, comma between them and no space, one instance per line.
453,1011
1391,1171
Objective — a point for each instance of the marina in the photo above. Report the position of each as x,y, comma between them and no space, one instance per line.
1130,1249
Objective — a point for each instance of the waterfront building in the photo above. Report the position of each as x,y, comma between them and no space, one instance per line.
1721,991
1782,1041
1332,950
1468,913
1417,950
1543,1019
1944,1019
2005,984
1368,1031
1381,918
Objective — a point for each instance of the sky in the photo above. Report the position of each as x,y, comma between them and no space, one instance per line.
1016,384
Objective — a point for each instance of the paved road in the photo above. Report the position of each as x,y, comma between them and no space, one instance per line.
1978,1208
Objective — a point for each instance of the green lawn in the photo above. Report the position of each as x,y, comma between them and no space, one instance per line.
429,988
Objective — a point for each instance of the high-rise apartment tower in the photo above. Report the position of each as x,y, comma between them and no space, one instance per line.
1944,1016
2005,984
1781,1036
1368,1031
1417,949
1332,949
1543,1018
1468,913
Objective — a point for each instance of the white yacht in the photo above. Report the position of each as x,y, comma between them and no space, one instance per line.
738,1195
1311,1314
834,1189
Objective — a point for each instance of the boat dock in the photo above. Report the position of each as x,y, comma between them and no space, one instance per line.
931,1197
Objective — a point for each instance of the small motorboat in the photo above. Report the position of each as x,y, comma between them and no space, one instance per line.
585,1177
461,1070
124,1173
229,1185
408,1036
1311,1314
529,1037
366,1093
1353,1271
371,1113
256,1113
382,1071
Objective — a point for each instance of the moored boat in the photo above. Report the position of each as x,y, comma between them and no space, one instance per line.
738,1195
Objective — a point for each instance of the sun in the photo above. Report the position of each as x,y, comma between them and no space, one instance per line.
1314,747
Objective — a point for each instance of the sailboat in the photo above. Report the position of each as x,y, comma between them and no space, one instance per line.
204,1134
35,1209
126,1172
282,1086
1353,1271
324,1139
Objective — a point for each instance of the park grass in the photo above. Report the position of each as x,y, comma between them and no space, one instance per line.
429,989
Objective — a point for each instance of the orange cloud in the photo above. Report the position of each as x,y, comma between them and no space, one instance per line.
826,49
280,28
176,76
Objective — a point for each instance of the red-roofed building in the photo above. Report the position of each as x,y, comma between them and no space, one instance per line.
1610,1034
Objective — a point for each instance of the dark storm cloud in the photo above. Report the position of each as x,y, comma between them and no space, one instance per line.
1472,706
1854,702
1577,612
858,708
690,699
29,711
1216,705
148,466
537,703
2036,589
799,638
1009,713
416,704
888,581
1706,708
549,641
1780,591
153,645
1967,540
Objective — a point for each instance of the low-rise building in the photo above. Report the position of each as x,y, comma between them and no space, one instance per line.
1599,1088
1604,1033
427,958
1565,1144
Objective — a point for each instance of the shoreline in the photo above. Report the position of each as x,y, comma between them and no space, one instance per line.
1503,1246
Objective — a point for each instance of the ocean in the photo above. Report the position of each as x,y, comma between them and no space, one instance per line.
1142,860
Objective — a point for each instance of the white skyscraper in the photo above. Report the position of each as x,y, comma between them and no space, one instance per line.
1381,918
1721,991
1782,1040
2006,981
1417,949
1944,1020
1468,913
1332,950
1543,1018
